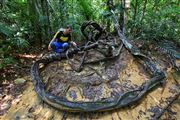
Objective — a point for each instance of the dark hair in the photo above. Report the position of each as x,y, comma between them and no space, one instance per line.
69,26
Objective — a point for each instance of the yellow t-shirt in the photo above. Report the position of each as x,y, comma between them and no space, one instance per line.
61,37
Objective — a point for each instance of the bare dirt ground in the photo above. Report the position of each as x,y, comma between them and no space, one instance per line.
95,82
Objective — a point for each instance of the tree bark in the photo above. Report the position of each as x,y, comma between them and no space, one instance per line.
46,23
34,13
62,13
122,16
108,25
110,5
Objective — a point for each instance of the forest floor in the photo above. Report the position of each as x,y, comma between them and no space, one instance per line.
13,78
18,100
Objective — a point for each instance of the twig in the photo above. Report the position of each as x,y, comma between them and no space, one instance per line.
95,71
82,61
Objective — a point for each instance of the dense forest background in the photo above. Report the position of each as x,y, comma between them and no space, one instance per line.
29,25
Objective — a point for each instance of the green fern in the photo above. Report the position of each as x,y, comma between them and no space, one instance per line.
87,9
20,43
6,61
5,30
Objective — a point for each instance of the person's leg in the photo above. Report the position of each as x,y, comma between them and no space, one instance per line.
59,47
65,46
55,46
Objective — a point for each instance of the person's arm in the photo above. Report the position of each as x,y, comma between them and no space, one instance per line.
72,42
49,46
53,40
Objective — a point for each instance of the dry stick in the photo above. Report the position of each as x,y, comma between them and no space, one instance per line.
66,90
82,61
81,64
47,82
157,116
98,73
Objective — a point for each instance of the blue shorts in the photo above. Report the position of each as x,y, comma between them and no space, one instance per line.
59,47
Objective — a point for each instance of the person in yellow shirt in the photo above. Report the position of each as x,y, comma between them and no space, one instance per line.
62,40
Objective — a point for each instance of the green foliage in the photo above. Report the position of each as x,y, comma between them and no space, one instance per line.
13,31
6,61
24,23
5,31
86,9
160,21
73,12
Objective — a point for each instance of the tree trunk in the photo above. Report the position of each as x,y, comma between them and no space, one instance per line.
33,12
62,13
108,25
133,29
110,5
122,16
46,23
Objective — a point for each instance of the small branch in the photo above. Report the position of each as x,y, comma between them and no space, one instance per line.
81,64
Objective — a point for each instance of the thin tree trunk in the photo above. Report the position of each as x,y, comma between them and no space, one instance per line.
34,21
62,13
108,25
123,22
48,21
133,29
110,4
44,24
121,18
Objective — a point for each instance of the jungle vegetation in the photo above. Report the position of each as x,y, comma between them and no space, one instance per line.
27,25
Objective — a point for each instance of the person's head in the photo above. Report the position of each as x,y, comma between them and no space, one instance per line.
68,29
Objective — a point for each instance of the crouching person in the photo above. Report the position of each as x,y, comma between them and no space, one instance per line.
61,40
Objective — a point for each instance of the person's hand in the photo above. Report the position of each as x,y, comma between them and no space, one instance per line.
49,47
74,44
